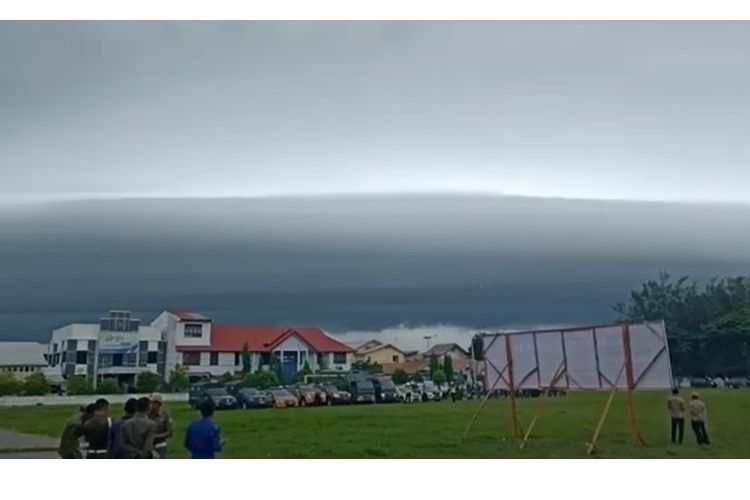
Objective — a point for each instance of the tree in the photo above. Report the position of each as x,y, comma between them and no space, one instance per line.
9,384
438,377
434,364
226,377
147,382
262,379
78,385
108,386
448,368
400,377
300,375
367,366
178,379
417,377
246,362
35,385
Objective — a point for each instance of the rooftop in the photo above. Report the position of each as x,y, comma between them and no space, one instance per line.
22,354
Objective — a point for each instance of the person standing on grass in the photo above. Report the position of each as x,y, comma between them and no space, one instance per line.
698,419
114,435
676,407
73,431
136,438
164,425
96,430
203,437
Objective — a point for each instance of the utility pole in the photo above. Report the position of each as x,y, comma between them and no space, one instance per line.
427,340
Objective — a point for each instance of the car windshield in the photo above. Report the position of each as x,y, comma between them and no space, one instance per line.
331,388
386,383
250,392
217,391
280,392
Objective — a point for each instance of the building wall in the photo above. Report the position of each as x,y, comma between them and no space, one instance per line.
20,372
382,356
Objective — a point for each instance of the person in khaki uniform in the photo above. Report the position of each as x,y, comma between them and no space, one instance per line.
698,418
676,407
69,445
96,431
164,425
136,439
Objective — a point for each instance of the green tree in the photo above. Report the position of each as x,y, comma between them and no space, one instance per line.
400,377
434,364
178,379
367,366
108,386
417,377
35,385
300,375
78,385
477,347
9,384
147,382
226,377
246,362
438,376
262,379
448,368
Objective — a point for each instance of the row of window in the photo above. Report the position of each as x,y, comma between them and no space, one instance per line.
194,358
19,369
82,358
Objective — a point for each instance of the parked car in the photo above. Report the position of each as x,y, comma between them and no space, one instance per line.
215,394
408,394
360,387
250,397
700,383
308,395
385,389
737,382
431,391
282,398
336,396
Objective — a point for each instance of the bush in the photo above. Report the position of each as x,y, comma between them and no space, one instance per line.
178,379
35,385
108,386
9,385
226,378
77,385
147,382
438,377
300,375
262,380
400,377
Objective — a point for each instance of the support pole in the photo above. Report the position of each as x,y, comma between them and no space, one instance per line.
512,388
635,428
539,407
592,445
481,405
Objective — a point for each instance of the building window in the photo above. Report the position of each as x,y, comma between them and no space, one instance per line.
237,359
82,357
214,358
339,358
117,360
64,356
395,358
152,357
193,330
191,358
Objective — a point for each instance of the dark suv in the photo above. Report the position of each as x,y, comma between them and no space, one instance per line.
249,397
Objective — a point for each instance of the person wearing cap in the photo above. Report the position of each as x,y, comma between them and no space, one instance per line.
698,419
96,430
73,431
676,407
164,424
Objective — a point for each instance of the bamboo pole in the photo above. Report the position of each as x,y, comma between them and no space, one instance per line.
512,388
592,444
539,407
635,429
481,405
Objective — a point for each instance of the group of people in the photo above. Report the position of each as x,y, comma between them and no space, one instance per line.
697,409
141,432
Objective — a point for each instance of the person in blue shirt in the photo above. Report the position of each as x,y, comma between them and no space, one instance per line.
203,437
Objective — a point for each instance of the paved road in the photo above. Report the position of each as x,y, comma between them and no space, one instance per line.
19,445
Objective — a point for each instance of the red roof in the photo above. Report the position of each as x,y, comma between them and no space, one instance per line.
189,316
265,339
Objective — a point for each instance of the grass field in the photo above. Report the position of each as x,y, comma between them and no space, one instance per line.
433,430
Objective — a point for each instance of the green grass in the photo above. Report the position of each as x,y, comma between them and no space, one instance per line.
433,430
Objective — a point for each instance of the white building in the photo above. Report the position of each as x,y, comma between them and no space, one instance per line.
22,358
117,347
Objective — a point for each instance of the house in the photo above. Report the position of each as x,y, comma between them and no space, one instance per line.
455,351
208,349
377,352
118,347
22,358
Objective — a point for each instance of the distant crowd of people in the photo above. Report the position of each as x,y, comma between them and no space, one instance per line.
141,432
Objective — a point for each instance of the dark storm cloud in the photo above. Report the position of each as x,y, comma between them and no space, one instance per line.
633,110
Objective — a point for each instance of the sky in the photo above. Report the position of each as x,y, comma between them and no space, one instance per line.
596,110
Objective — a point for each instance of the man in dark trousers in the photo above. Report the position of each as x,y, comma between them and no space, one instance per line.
203,437
96,430
164,425
114,435
69,446
676,407
136,438
698,419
